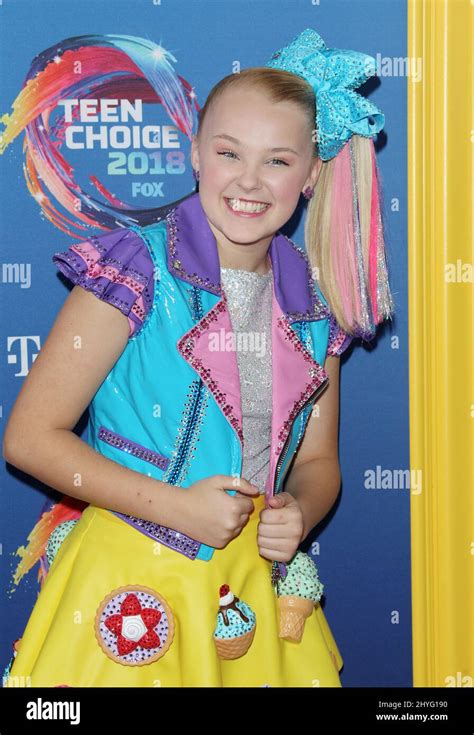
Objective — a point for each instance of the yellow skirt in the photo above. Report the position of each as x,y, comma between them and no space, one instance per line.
118,609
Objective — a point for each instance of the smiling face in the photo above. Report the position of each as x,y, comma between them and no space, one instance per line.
254,158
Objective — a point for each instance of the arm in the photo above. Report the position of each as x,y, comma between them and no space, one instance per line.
70,367
315,478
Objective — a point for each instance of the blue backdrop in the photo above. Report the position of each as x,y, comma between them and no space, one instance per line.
363,546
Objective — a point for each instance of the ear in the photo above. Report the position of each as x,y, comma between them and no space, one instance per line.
195,153
315,170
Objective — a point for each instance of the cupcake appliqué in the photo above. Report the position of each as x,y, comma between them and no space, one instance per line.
134,625
235,627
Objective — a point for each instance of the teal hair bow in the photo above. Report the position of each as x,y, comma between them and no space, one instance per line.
333,74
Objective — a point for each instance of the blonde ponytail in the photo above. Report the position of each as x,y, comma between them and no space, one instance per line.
345,240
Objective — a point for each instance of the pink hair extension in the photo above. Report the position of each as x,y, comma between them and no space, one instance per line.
374,237
343,250
382,300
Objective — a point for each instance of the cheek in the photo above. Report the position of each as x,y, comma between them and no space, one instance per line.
289,185
215,172
288,190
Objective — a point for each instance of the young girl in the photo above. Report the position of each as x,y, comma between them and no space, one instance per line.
208,356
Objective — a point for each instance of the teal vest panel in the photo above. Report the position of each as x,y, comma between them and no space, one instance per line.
154,415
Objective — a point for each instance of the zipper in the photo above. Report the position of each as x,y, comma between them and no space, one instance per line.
284,451
279,568
234,492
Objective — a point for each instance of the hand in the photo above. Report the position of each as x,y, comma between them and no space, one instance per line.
212,516
281,527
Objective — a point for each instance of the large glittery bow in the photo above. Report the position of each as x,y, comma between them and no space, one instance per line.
334,74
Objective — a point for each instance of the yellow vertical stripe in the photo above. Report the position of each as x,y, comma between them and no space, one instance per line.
440,260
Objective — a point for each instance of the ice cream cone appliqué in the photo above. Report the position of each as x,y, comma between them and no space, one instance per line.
298,591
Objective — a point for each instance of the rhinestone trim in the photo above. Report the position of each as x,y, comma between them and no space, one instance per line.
130,447
317,375
185,346
164,535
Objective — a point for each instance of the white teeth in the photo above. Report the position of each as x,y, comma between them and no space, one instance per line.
238,205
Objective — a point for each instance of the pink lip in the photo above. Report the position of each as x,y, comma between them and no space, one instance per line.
247,214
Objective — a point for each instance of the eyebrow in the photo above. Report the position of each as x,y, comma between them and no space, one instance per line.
272,150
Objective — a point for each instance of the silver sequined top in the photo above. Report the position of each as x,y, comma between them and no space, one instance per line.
249,298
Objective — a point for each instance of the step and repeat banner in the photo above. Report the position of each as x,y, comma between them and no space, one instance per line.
98,104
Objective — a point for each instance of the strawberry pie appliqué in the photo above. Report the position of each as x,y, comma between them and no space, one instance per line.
134,625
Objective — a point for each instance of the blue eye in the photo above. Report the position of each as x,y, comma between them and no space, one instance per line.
280,161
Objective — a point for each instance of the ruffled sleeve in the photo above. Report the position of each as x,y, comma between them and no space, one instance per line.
339,340
115,266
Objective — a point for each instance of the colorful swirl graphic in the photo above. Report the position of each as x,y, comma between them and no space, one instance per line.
96,67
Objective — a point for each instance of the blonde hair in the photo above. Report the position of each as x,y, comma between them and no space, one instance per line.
343,230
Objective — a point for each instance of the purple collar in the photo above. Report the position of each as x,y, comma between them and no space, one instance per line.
193,257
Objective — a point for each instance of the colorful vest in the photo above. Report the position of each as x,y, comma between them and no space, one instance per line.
170,407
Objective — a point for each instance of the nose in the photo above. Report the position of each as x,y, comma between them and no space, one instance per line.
249,179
